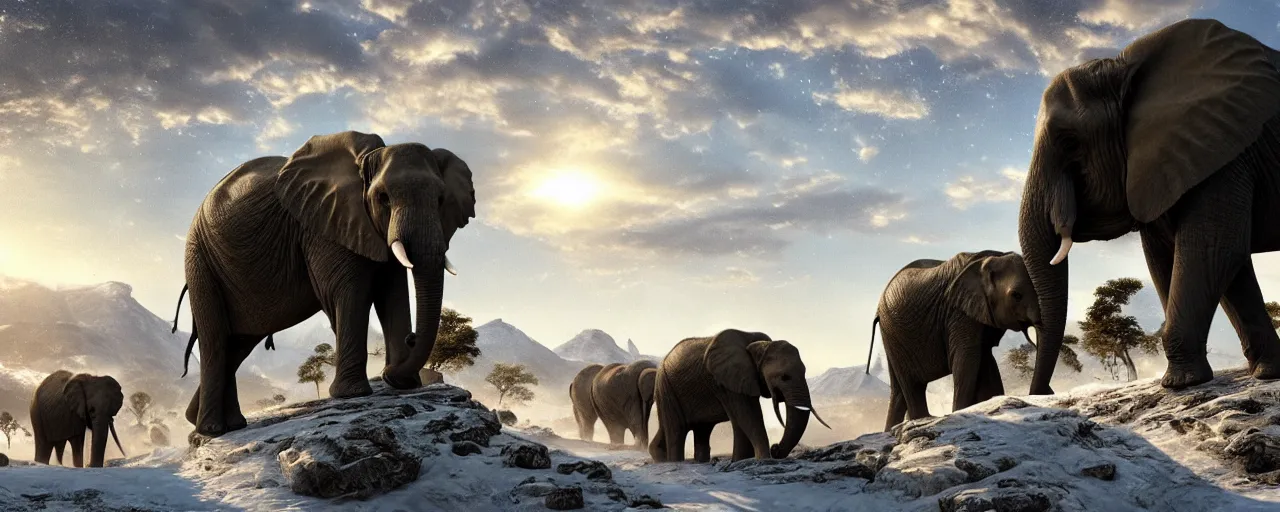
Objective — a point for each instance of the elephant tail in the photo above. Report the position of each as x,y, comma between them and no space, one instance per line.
178,310
186,358
871,347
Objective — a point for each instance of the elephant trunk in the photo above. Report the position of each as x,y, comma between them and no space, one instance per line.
798,408
98,447
421,248
1044,232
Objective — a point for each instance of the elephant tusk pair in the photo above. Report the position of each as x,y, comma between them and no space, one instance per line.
1062,251
815,414
397,248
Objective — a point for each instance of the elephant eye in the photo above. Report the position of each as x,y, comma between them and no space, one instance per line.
384,199
786,378
1017,296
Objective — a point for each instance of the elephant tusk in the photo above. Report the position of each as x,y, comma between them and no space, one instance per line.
778,413
814,412
112,428
1062,251
448,265
397,247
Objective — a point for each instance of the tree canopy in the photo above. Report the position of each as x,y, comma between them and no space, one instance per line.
455,346
511,380
1111,336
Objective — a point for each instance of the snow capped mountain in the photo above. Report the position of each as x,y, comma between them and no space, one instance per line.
594,346
501,342
847,382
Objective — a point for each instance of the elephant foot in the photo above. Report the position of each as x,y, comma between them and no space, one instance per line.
1180,376
400,382
1266,369
350,388
236,422
211,428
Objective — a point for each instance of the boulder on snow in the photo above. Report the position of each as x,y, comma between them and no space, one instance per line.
360,463
4,460
526,455
506,417
159,435
565,498
465,448
595,470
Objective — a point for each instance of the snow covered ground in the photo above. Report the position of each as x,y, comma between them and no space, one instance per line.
1116,447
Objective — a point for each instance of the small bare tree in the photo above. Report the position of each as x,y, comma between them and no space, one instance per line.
9,426
139,402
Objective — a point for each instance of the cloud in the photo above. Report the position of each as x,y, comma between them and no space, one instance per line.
884,103
866,151
968,190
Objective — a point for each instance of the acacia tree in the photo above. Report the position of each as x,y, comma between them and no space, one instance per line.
1021,358
311,371
9,426
511,380
1109,335
1273,311
139,402
455,346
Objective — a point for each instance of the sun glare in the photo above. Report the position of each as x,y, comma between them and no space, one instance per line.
569,188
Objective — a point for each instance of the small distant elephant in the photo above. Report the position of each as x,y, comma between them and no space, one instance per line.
943,318
706,381
584,409
65,405
331,228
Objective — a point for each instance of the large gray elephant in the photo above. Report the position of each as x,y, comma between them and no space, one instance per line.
331,228
943,318
65,405
584,409
1178,138
706,381
623,397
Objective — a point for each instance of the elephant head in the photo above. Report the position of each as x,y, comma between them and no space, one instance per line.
765,368
995,289
404,201
95,400
1119,140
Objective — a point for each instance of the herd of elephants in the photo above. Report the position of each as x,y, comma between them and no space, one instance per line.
1177,137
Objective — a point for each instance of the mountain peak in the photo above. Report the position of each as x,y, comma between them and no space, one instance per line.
593,346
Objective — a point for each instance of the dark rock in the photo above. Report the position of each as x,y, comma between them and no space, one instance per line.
439,426
526,455
4,460
846,450
1103,471
465,448
364,462
1005,463
594,470
1000,500
532,487
477,435
565,498
977,471
616,493
506,417
645,501
44,496
854,469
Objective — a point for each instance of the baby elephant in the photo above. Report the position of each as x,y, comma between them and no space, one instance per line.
706,381
621,396
65,405
942,318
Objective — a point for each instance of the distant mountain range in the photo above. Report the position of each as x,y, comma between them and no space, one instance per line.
852,381
99,329
597,346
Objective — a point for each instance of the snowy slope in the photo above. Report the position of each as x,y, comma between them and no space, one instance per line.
593,346
1134,447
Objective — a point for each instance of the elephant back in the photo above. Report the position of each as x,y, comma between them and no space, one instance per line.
580,388
615,390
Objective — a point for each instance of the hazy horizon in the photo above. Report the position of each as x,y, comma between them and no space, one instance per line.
656,172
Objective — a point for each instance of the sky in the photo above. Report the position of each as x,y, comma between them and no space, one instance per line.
654,169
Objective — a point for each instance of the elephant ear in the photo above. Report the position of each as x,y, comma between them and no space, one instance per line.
460,203
731,365
969,291
73,394
322,188
1199,95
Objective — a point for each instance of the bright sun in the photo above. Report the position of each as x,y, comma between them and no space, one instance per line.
569,188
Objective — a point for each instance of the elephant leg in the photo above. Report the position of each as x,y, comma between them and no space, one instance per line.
966,364
391,302
242,346
44,450
1245,307
617,434
1158,249
742,447
747,419
897,403
913,394
77,450
989,383
658,446
675,443
350,307
211,319
702,442
58,449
